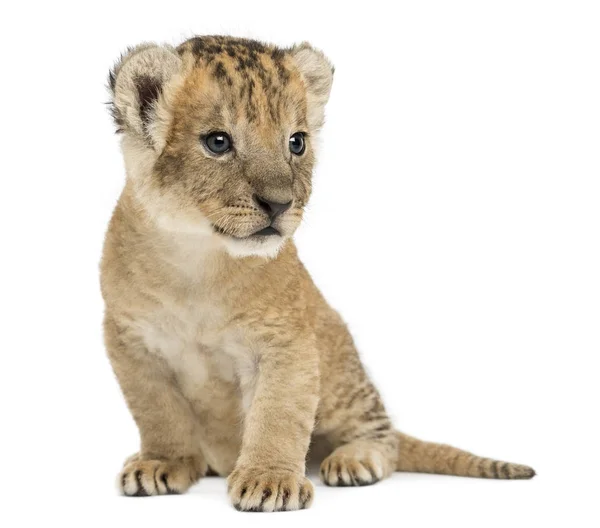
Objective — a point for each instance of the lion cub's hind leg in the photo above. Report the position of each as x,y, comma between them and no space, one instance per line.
366,444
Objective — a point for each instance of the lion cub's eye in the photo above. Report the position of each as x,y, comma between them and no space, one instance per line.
297,145
218,142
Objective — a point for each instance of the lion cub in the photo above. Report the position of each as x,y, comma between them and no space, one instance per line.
229,358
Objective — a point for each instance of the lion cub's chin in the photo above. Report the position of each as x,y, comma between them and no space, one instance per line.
266,247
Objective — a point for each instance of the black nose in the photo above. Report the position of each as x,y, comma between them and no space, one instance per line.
273,209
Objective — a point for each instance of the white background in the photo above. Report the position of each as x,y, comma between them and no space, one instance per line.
455,225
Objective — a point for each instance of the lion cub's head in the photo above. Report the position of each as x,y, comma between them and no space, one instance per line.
219,135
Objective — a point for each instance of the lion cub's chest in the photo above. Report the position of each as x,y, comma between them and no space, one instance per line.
198,346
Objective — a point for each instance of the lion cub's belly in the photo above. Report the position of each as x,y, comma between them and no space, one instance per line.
206,366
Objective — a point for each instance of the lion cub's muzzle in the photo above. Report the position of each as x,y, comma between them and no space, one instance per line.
272,210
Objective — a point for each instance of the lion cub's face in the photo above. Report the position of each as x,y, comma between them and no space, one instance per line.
225,129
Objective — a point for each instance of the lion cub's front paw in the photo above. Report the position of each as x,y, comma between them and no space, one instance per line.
141,477
260,490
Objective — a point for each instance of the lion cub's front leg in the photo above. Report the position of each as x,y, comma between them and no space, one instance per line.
270,472
169,460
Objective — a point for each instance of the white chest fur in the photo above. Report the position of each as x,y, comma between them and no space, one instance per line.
199,347
190,329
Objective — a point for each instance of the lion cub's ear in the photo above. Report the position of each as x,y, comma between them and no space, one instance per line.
137,84
317,73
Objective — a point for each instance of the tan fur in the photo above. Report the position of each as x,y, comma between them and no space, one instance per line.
228,356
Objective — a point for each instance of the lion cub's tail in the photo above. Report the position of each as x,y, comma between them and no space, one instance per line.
417,456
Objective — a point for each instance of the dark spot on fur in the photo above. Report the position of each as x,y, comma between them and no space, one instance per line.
149,90
495,469
198,46
277,54
481,468
221,73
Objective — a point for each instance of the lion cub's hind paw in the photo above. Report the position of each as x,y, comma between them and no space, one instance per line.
344,468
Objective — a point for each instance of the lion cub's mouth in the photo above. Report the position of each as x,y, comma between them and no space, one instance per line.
267,231
264,232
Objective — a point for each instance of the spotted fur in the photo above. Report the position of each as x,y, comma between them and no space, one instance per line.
228,356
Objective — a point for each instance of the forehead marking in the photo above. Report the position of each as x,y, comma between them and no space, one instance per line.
258,71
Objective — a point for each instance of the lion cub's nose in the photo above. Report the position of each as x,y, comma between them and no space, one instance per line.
273,209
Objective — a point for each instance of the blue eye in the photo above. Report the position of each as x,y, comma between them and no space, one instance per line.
297,144
218,142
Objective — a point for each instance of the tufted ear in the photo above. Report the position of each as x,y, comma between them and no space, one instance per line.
137,84
317,73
